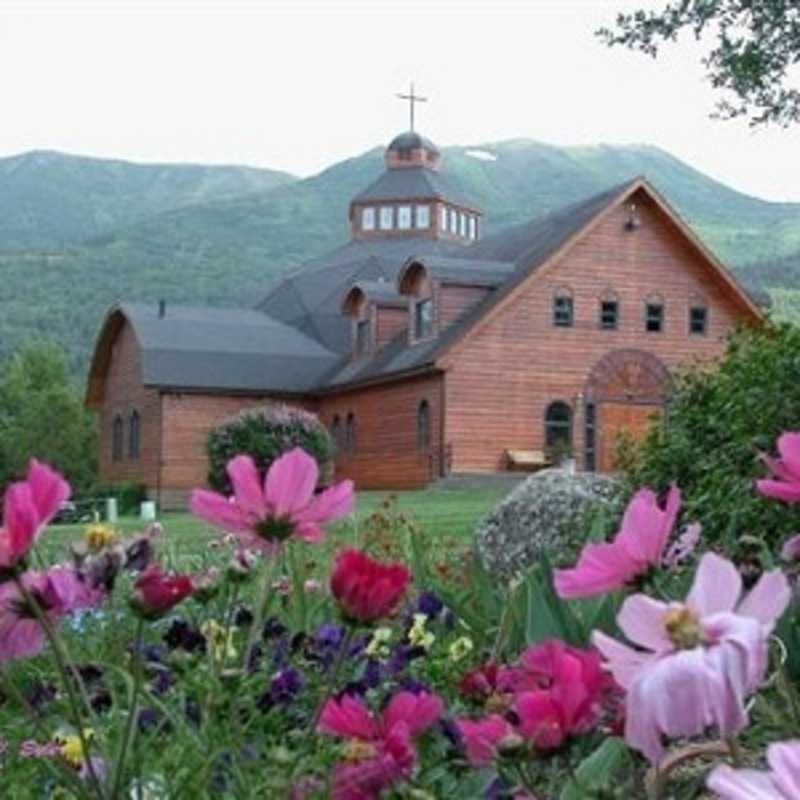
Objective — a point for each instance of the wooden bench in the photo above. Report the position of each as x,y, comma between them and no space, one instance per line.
527,460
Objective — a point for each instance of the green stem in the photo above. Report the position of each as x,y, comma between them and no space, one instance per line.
65,669
130,727
333,675
736,752
258,614
298,584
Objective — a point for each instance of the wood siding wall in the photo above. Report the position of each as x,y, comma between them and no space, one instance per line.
454,301
387,453
390,322
500,382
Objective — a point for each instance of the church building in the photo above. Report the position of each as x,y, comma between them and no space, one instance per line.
427,348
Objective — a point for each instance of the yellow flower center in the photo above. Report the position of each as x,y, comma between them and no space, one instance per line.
72,749
99,536
683,628
358,750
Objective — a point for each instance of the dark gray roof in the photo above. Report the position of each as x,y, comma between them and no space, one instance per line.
225,350
411,140
409,183
382,293
466,271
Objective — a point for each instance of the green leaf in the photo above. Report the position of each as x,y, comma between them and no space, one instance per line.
597,771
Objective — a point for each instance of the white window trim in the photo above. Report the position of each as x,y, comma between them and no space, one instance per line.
404,218
453,221
387,212
443,218
421,211
368,218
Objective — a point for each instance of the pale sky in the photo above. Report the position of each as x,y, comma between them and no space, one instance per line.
300,85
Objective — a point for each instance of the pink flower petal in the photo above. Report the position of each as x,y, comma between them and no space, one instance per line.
246,484
332,504
780,490
219,511
742,784
48,489
624,662
790,551
717,586
646,527
21,520
481,738
642,621
348,717
789,449
290,482
601,568
768,599
417,711
784,760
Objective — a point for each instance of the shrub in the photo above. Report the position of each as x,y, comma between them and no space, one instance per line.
716,424
265,434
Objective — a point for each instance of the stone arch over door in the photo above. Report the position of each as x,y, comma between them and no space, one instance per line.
624,391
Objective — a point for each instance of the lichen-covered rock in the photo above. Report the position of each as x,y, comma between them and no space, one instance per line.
549,512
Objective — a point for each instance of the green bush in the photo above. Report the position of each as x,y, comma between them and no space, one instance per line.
717,422
265,433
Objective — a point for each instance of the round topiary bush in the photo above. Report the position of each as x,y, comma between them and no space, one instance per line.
265,434
549,513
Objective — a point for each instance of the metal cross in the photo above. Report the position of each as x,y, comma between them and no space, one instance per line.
412,98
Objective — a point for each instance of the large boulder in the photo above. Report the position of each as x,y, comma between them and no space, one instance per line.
549,512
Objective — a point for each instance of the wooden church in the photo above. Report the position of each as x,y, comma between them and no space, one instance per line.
425,347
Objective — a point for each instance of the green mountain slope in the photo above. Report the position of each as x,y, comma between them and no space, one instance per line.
229,250
50,199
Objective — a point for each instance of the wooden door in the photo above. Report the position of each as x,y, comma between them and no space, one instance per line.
616,418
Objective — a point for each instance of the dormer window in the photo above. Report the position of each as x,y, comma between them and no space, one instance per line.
423,217
443,218
368,219
462,224
404,217
387,218
473,227
453,221
363,335
423,318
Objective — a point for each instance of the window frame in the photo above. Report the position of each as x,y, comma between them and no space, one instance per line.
362,343
336,433
553,426
613,325
134,435
422,210
443,218
117,438
368,213
419,304
651,305
405,214
386,213
692,309
563,296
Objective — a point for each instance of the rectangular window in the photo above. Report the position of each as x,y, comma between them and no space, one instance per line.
423,318
367,219
698,320
609,315
453,221
362,336
473,227
462,225
387,218
654,317
423,219
404,217
562,312
443,218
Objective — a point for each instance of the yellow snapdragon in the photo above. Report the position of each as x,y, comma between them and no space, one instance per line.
378,646
419,635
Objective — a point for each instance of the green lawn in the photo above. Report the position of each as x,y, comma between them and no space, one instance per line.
447,516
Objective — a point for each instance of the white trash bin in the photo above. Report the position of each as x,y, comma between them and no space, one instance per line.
112,514
148,511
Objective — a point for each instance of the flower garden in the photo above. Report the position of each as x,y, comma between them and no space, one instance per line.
653,666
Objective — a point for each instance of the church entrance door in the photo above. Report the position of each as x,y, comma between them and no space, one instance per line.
619,420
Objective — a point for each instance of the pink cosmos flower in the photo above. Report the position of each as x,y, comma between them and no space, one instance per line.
700,659
790,552
484,737
639,545
27,508
785,481
381,751
58,592
264,515
782,782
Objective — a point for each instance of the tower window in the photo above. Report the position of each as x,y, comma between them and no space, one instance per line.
698,320
473,227
423,219
563,309
462,224
367,219
363,335
404,217
423,318
387,218
443,218
117,436
134,435
654,317
453,221
609,315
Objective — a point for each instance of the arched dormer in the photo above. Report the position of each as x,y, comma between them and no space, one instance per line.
378,314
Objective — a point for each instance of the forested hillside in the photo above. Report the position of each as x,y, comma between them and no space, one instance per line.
213,239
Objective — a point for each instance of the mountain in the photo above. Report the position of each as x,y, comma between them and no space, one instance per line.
48,199
228,250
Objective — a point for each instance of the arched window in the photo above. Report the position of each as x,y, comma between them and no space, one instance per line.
350,440
117,436
563,308
609,311
336,432
654,313
134,435
424,425
558,428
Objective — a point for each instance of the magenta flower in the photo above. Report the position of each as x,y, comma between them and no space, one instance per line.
381,751
264,515
483,738
790,552
58,592
785,481
27,508
700,659
782,782
638,546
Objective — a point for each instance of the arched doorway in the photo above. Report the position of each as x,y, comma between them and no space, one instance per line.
625,390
